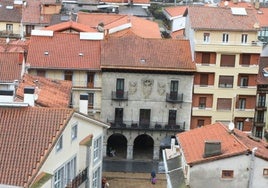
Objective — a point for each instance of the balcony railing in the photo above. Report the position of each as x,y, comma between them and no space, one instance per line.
10,34
174,97
78,180
119,95
136,125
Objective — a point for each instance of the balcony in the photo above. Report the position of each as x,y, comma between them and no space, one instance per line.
174,97
136,125
78,180
10,34
119,95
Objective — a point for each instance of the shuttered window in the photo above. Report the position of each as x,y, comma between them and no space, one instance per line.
226,81
224,104
227,60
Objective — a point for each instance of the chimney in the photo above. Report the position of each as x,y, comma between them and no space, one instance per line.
6,96
212,148
29,95
83,103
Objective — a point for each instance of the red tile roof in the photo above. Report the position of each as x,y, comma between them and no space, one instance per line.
176,10
63,52
231,144
140,26
11,14
222,19
133,52
64,26
178,34
51,93
13,45
32,14
193,149
10,66
27,136
126,1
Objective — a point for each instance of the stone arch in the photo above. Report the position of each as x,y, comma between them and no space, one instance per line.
143,147
118,143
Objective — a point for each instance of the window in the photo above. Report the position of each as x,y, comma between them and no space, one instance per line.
258,132
240,125
145,115
97,149
244,38
225,37
242,103
200,122
65,174
172,117
245,59
227,61
9,28
206,37
119,112
260,116
226,81
227,174
59,144
90,80
261,101
41,73
91,100
265,171
120,88
174,89
244,81
203,79
68,75
96,178
205,58
74,132
202,102
29,29
59,178
224,104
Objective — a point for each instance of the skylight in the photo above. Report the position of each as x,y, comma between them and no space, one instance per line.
239,11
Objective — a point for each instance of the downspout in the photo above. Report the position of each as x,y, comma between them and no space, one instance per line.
251,169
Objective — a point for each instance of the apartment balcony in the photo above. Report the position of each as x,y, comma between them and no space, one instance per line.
9,34
119,95
79,179
174,97
84,85
137,125
260,108
231,46
259,123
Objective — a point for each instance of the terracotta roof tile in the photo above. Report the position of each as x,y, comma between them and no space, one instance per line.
10,66
63,52
70,25
176,10
177,34
26,136
140,26
126,1
32,14
193,149
262,16
9,14
51,93
222,19
133,52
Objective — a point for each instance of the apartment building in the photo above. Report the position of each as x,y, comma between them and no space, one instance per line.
227,52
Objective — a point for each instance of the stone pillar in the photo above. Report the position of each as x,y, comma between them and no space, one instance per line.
130,152
156,152
104,151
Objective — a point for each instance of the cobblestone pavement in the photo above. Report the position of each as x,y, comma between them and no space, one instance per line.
134,180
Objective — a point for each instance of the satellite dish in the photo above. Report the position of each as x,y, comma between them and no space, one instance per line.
226,3
231,126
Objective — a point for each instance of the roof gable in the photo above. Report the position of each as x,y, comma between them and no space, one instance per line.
175,11
68,26
24,145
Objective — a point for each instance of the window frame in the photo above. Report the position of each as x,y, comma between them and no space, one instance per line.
9,28
265,172
224,81
59,144
206,37
244,38
74,132
244,81
68,75
225,38
240,125
242,103
90,100
97,148
224,174
202,102
226,101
